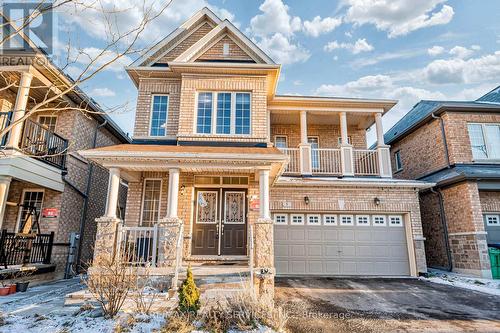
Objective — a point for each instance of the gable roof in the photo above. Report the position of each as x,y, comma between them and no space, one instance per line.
423,111
491,97
156,51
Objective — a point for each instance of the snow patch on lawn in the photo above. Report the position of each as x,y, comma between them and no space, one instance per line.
488,286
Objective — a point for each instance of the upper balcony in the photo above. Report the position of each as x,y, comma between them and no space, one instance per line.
325,137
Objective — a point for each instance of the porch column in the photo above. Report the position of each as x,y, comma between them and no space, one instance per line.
383,151
304,147
264,242
113,189
20,109
346,151
170,225
4,193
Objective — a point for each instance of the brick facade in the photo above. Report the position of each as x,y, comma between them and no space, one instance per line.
216,51
490,201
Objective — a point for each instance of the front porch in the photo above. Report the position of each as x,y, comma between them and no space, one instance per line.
191,205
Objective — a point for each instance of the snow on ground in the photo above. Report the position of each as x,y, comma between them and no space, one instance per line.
488,286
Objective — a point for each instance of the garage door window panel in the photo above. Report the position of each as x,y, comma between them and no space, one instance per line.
493,220
330,220
346,220
314,219
363,220
281,219
379,221
395,221
297,219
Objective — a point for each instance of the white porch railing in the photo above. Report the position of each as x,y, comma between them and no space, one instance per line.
326,161
365,162
138,245
293,166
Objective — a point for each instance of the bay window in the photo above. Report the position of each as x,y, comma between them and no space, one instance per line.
485,141
223,113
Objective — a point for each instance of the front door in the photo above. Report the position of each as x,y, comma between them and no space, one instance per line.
219,222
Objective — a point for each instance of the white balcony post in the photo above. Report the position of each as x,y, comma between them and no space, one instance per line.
383,151
20,109
113,189
264,194
4,193
173,192
346,152
304,147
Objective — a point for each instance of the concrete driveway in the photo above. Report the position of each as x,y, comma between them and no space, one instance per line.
384,305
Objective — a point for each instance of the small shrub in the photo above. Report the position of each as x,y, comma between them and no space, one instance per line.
189,294
145,292
179,322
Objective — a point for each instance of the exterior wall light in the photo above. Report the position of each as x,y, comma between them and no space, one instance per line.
183,189
376,201
306,200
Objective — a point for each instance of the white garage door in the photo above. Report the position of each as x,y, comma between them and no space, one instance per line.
338,244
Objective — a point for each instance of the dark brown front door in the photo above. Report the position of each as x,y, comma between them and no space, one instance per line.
233,224
206,222
220,226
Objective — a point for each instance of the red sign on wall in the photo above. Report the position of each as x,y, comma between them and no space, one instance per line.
254,202
50,212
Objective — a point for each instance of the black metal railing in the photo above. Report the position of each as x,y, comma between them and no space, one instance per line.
16,249
5,119
40,142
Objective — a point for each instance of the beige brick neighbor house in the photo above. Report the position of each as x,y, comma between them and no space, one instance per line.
234,172
46,188
457,146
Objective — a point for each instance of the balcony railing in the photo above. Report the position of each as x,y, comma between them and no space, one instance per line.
293,166
139,245
18,249
365,162
326,161
39,142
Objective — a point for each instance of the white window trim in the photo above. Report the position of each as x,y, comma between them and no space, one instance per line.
330,215
486,216
151,116
374,217
398,153
400,217
339,140
18,223
280,223
314,215
485,138
47,116
361,224
144,193
344,215
213,127
281,136
294,215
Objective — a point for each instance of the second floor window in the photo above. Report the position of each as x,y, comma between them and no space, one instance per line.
397,159
280,142
223,113
159,112
49,122
485,141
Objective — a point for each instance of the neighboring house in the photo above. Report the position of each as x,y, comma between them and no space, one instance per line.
457,146
216,148
42,177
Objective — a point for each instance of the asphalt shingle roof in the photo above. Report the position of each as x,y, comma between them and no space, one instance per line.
491,97
464,171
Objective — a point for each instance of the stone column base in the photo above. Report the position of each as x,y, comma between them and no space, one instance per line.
106,242
169,228
264,282
264,271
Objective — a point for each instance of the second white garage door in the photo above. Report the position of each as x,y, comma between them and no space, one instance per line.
340,244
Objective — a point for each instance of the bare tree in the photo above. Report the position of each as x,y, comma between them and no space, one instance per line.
119,43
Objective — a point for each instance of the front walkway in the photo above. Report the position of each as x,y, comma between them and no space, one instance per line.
385,305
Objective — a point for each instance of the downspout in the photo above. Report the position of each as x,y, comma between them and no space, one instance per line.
445,143
83,218
444,224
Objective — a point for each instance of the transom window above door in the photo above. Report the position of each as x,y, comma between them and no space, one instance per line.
159,113
223,113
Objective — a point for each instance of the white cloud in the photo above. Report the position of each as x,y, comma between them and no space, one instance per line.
100,58
297,83
375,59
399,17
361,87
361,45
102,92
457,70
281,50
320,26
435,50
274,19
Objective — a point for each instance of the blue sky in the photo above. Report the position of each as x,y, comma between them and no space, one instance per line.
399,49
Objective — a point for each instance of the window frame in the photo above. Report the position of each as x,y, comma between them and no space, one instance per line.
339,140
281,136
497,216
213,118
141,222
363,224
282,215
48,116
318,216
335,219
297,215
21,201
151,115
399,166
349,216
374,217
314,154
486,140
401,221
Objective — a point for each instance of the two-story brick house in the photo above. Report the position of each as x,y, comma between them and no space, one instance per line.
457,146
43,180
216,150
